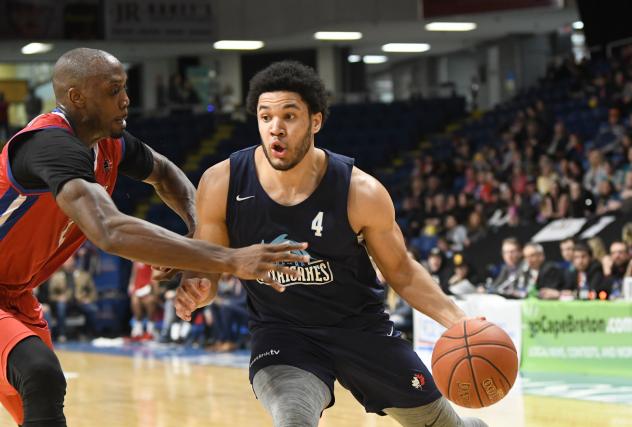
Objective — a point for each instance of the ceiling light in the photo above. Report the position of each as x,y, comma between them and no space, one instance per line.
238,44
451,26
354,58
338,35
374,59
578,25
33,48
405,47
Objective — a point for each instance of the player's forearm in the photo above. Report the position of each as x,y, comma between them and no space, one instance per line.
175,189
142,241
418,289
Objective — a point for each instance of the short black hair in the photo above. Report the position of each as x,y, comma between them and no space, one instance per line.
291,76
583,247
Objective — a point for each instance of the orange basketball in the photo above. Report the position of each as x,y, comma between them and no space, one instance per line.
474,363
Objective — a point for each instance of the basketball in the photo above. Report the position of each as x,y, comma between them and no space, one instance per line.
474,363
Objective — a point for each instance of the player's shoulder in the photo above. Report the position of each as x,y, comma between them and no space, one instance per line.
364,184
215,180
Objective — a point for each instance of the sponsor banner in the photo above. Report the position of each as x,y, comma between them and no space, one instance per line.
159,20
504,313
584,337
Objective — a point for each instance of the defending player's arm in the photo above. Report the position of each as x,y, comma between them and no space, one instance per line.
58,160
170,183
371,212
197,290
90,207
174,188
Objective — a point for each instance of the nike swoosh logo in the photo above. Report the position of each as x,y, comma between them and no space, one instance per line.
435,420
241,199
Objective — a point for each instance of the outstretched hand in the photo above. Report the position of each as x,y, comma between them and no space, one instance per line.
257,261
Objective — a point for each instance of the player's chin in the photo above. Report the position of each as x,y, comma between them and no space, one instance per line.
117,130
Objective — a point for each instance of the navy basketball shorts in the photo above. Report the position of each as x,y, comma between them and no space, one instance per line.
381,371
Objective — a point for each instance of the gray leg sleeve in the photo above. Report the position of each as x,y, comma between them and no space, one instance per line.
294,397
436,414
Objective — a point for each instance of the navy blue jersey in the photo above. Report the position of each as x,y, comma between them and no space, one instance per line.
338,287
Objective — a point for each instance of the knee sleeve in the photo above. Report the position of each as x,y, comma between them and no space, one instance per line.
436,414
292,396
34,371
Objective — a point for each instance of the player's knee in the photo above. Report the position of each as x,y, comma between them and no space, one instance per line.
43,376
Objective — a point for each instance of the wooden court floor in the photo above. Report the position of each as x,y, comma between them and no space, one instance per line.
120,391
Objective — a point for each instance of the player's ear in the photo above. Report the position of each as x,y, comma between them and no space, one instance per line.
76,97
317,121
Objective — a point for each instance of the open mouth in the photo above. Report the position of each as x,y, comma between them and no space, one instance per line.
278,149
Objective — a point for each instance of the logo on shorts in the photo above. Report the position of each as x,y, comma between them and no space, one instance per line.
271,352
418,381
315,272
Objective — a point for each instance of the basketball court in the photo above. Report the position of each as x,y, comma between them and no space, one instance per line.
161,386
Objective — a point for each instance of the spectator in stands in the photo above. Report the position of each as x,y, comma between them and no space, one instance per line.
581,203
463,281
142,294
229,313
598,247
615,265
608,200
32,104
506,283
555,204
547,175
586,282
542,278
4,119
558,141
168,292
455,233
64,287
610,133
626,189
85,299
566,251
438,269
596,171
476,229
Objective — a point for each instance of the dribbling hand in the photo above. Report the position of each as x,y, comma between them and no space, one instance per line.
191,294
255,262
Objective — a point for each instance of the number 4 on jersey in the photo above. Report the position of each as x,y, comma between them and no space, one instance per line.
317,224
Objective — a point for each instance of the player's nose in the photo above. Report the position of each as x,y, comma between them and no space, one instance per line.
276,127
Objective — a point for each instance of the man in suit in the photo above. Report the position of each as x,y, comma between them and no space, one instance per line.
542,278
586,282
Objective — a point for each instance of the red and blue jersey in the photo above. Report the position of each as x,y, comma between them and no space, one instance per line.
36,236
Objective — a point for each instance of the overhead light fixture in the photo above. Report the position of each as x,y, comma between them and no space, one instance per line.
33,48
374,59
451,26
338,35
354,58
238,44
578,25
405,47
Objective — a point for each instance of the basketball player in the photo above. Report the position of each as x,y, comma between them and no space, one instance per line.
328,323
56,178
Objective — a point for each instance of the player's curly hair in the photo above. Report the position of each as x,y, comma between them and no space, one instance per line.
291,76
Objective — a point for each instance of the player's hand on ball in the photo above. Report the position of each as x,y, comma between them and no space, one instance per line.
257,261
191,294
